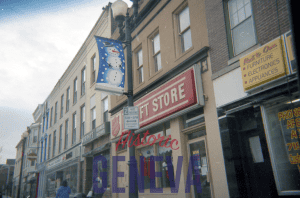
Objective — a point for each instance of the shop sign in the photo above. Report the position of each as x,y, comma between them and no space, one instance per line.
290,52
175,95
263,65
131,117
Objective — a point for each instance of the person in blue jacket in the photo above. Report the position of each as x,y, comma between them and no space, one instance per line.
63,191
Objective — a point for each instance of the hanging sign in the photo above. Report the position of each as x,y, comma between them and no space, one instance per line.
131,118
262,65
111,72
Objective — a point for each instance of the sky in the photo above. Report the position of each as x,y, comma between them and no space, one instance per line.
38,40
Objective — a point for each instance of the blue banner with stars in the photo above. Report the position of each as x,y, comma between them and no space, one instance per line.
111,74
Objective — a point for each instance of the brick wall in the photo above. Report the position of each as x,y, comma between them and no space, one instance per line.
266,24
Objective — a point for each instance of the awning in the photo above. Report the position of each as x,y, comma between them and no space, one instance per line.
97,150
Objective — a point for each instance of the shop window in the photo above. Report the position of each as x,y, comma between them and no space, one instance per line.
75,91
83,81
82,121
194,117
282,131
68,100
241,33
93,112
93,69
156,150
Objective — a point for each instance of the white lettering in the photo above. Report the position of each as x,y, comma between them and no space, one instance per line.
174,95
160,100
167,98
154,103
181,95
141,112
146,106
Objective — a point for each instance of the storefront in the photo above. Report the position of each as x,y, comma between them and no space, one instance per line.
173,126
63,167
259,131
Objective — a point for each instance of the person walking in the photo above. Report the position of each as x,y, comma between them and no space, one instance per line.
63,191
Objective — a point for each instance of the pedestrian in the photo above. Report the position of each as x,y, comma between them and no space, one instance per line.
63,191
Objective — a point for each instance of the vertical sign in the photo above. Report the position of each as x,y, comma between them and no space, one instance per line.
111,71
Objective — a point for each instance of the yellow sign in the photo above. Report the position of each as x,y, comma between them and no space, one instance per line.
262,65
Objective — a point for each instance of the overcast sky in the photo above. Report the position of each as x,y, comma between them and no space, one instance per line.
38,40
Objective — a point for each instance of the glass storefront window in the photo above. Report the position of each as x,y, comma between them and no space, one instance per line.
147,152
51,188
282,127
164,181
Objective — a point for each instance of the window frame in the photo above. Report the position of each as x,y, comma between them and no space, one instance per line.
155,54
93,121
66,134
104,112
181,33
60,138
55,112
93,69
75,89
51,114
230,39
82,121
140,66
49,147
74,128
83,80
62,106
54,143
68,99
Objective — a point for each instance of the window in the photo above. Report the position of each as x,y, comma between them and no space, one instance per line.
242,35
51,113
62,106
156,150
75,91
82,121
184,29
42,151
66,133
35,136
83,81
93,69
140,69
49,147
43,123
74,129
60,138
93,112
105,109
68,99
55,114
54,144
156,52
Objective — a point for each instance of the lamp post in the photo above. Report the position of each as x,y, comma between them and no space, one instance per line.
120,12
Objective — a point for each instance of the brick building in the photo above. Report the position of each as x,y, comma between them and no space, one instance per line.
254,80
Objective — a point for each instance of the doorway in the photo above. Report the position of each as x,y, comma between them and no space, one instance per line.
197,149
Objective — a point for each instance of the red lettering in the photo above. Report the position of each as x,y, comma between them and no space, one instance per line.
144,139
154,140
122,142
137,139
172,144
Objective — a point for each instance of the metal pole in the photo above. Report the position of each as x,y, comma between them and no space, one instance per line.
132,160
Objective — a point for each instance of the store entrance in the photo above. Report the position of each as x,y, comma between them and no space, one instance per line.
197,149
257,165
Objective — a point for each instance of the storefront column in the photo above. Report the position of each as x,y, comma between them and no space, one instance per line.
214,146
113,153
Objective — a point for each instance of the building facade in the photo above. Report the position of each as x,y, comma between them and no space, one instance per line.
174,93
254,81
6,176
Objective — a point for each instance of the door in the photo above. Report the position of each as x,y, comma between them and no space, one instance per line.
197,149
257,165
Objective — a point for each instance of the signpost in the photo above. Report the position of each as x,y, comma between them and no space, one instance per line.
131,117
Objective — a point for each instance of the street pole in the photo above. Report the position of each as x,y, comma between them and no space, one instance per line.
132,161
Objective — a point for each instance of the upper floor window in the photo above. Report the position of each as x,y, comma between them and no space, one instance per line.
93,69
184,29
68,99
66,133
51,113
105,109
83,81
35,136
75,91
74,129
54,144
82,121
140,69
62,106
241,26
93,112
55,112
156,52
60,138
49,147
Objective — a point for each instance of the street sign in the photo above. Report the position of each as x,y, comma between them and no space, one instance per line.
131,118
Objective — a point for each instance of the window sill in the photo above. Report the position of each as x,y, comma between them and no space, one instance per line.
184,53
237,58
139,85
156,73
81,96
